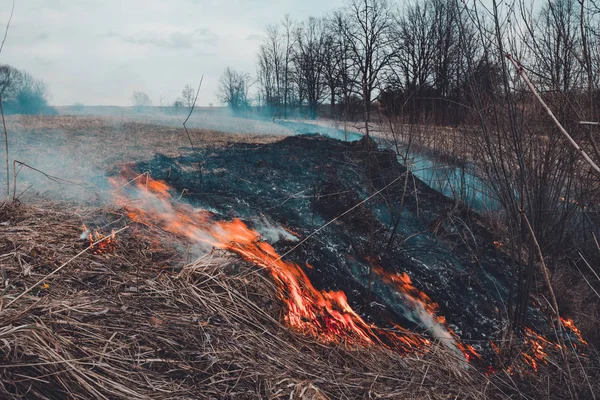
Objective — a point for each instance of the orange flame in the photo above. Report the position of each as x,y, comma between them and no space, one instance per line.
326,315
537,346
569,324
420,301
106,246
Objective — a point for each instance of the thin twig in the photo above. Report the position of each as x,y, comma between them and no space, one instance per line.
190,113
546,274
7,26
51,177
6,146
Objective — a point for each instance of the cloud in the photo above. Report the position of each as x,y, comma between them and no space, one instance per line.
254,37
43,61
167,40
128,44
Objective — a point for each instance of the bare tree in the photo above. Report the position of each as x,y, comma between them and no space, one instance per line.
346,72
188,95
140,99
415,33
289,37
334,59
265,77
368,31
553,38
10,81
22,93
271,67
310,62
233,89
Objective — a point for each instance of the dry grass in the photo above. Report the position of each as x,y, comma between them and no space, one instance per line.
105,139
82,149
138,323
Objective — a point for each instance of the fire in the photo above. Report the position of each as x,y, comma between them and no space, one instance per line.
536,348
427,310
106,246
569,324
326,315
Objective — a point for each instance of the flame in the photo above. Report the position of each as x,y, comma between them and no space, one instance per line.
106,246
536,348
569,324
326,315
426,310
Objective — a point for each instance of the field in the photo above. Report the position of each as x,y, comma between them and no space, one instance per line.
79,148
137,265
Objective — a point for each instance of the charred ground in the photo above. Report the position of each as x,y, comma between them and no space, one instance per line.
303,182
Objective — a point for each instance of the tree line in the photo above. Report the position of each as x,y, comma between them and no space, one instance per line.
21,93
418,58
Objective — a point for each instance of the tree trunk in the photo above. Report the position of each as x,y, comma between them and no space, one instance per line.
367,104
332,111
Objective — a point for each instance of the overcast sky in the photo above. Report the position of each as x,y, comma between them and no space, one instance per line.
98,52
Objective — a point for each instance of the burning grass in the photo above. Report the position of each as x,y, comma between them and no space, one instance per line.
128,316
138,322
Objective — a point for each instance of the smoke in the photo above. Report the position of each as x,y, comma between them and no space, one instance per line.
54,163
271,232
414,305
75,157
74,153
415,311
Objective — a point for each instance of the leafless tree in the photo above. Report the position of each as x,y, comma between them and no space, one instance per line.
289,39
265,78
346,72
310,61
553,38
271,67
22,93
368,32
335,62
188,95
10,81
233,89
140,99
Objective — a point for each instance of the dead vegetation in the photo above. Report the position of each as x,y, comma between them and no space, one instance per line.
80,149
142,323
109,139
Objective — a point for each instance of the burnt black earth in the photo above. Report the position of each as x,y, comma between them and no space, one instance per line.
303,182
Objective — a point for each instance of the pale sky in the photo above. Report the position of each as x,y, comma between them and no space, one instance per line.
97,52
